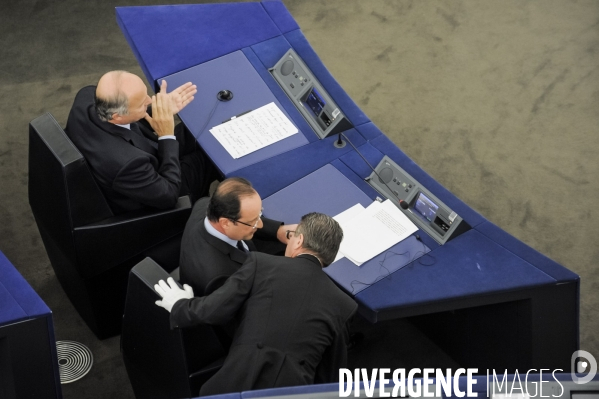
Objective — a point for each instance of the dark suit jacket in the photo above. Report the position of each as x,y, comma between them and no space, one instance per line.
205,260
131,172
294,324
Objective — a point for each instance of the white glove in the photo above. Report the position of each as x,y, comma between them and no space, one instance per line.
171,293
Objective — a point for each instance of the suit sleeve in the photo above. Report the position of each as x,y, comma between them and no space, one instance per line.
268,232
335,356
138,180
219,307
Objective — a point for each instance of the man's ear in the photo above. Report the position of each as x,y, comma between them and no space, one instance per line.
300,241
116,119
224,223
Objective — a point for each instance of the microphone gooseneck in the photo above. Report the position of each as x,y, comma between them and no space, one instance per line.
403,204
340,143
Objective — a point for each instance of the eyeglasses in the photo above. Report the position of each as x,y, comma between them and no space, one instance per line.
287,233
255,225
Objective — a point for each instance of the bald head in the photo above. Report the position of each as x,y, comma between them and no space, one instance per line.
121,97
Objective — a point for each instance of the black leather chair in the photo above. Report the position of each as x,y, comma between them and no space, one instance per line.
160,362
92,250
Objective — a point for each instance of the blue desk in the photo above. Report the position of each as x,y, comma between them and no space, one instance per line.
28,360
489,300
499,308
232,71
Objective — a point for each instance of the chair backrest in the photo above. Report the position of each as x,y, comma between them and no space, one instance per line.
62,191
158,362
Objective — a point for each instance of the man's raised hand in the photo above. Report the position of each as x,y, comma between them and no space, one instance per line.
162,120
181,96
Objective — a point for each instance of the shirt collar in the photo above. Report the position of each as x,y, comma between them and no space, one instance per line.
213,232
127,126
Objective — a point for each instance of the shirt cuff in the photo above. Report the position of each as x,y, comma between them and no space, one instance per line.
170,137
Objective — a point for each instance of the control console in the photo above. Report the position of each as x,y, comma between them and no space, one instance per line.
308,95
427,211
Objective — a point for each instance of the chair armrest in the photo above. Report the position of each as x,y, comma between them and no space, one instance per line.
107,243
183,203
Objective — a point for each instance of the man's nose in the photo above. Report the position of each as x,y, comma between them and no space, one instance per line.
260,224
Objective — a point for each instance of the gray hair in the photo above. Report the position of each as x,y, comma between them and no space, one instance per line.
117,104
322,235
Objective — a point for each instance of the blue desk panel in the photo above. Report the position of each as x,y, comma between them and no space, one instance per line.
18,301
465,267
512,244
298,390
28,355
280,16
232,72
169,39
325,190
468,266
273,174
328,191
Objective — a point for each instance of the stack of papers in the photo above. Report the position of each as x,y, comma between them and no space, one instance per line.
255,130
368,232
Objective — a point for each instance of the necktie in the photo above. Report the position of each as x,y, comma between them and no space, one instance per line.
240,246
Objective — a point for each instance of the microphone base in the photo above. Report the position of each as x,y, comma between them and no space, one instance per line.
340,144
224,95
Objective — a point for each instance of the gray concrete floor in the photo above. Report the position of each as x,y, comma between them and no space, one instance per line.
498,100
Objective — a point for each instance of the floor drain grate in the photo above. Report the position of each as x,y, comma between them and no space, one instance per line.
74,360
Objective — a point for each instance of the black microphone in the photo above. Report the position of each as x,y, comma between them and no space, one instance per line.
340,143
404,205
224,95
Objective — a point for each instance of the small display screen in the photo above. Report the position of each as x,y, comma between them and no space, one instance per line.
315,102
426,207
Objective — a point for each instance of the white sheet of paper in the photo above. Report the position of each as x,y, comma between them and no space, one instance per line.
349,214
345,217
254,130
376,229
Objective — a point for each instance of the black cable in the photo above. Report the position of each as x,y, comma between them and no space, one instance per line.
209,117
379,277
425,254
388,274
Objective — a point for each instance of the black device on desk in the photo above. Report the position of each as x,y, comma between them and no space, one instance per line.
427,211
308,95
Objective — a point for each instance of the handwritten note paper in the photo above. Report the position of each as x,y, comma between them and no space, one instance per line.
254,130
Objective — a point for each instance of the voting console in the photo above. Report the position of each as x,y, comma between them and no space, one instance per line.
308,95
426,210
